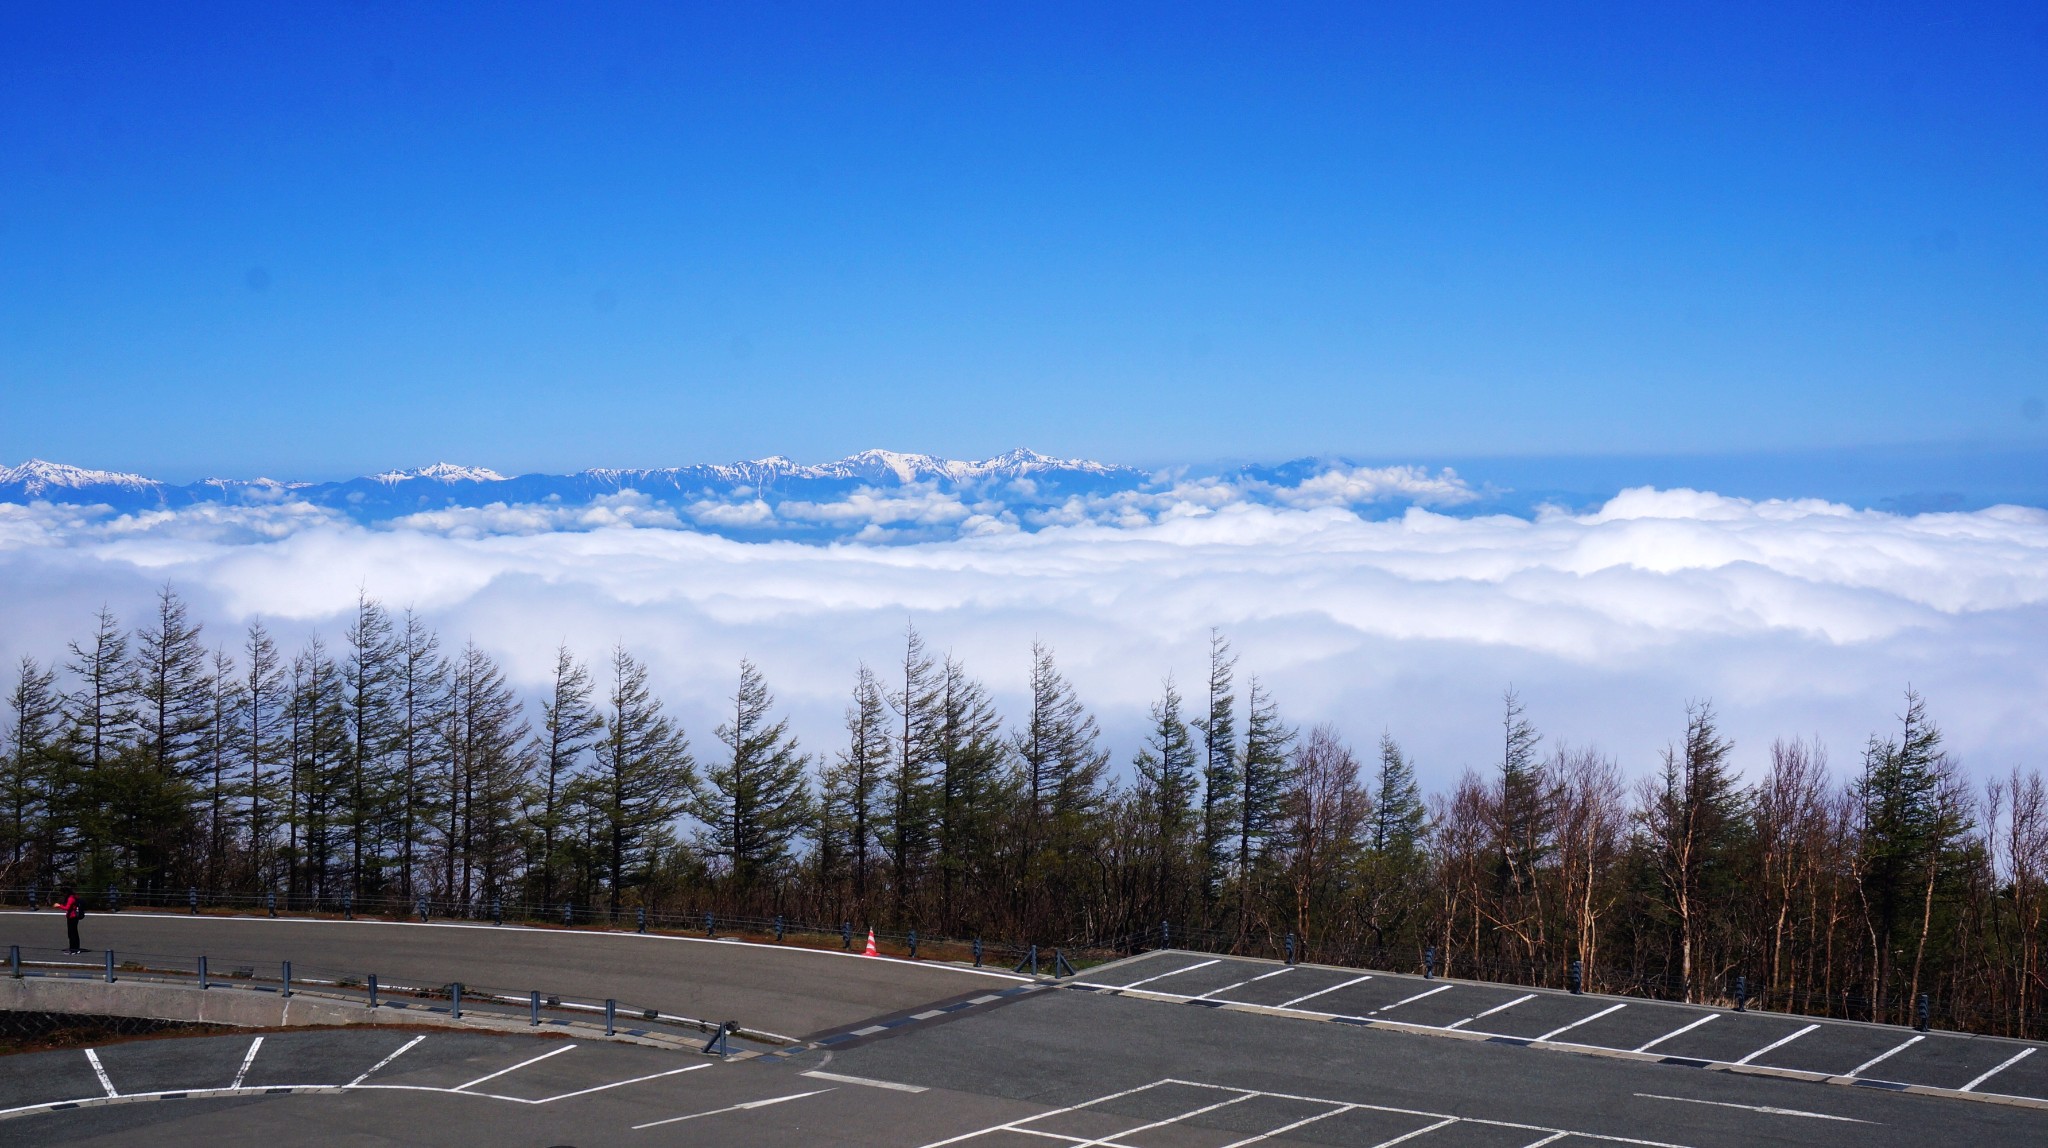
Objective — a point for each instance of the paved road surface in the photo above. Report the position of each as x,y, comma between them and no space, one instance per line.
783,990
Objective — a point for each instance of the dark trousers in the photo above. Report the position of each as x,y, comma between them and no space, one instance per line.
71,931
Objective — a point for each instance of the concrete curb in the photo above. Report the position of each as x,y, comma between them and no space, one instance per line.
246,1008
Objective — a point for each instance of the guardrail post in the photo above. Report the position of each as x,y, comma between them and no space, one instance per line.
1741,994
35,898
110,966
1577,978
285,985
640,919
1429,963
272,898
1059,962
977,952
913,944
1290,948
14,961
568,913
373,991
710,923
348,905
455,1000
113,899
1031,959
717,1042
778,928
202,973
533,1009
846,935
497,911
611,1014
1921,1014
422,907
192,899
1165,935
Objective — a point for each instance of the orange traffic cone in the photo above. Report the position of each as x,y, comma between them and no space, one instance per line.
871,945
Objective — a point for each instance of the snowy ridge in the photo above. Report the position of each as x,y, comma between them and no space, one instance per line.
871,496
37,477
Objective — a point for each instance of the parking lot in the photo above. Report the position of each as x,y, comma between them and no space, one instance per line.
1874,1055
1169,1050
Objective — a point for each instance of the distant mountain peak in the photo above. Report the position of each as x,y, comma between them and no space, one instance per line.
444,472
37,476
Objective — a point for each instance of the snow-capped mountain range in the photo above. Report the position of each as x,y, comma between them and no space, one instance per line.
873,495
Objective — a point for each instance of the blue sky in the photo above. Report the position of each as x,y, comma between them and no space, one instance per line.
317,240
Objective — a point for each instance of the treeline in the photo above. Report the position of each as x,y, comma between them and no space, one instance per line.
392,765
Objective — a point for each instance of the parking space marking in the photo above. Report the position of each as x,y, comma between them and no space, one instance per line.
1582,1020
1416,997
1448,1120
1491,1011
1243,983
731,1108
1778,1043
1760,1108
1881,1057
246,1062
1970,1087
100,1071
819,1074
1437,1120
622,1083
1686,1029
402,1050
1104,1140
514,1068
1286,1128
1320,992
1174,973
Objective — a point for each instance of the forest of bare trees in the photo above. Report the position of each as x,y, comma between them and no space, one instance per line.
392,765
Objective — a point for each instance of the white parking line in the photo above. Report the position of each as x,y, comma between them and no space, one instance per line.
1677,1032
1174,973
622,1083
1243,983
1491,1011
1553,1138
514,1068
1778,1043
2015,1059
246,1062
1098,1143
1286,1128
1582,1020
1012,1125
100,1071
1416,997
1418,1132
816,1074
731,1108
1760,1108
387,1060
1881,1057
1320,992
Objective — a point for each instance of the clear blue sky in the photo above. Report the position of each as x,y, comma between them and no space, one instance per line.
316,239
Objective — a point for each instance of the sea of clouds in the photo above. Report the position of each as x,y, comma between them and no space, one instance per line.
1794,617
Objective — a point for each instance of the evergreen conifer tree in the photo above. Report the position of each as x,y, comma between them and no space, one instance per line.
640,779
1220,793
852,788
569,726
755,801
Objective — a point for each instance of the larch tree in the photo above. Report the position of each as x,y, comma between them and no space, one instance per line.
641,776
1218,726
912,832
757,799
420,688
972,757
263,699
850,812
1265,776
570,725
369,673
1168,780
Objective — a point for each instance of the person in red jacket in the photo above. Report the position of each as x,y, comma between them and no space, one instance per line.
72,912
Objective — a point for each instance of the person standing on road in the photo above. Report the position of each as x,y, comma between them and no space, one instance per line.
72,912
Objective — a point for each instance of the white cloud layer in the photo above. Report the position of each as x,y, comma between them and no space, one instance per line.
1794,616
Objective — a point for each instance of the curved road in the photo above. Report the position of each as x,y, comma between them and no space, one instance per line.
778,989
